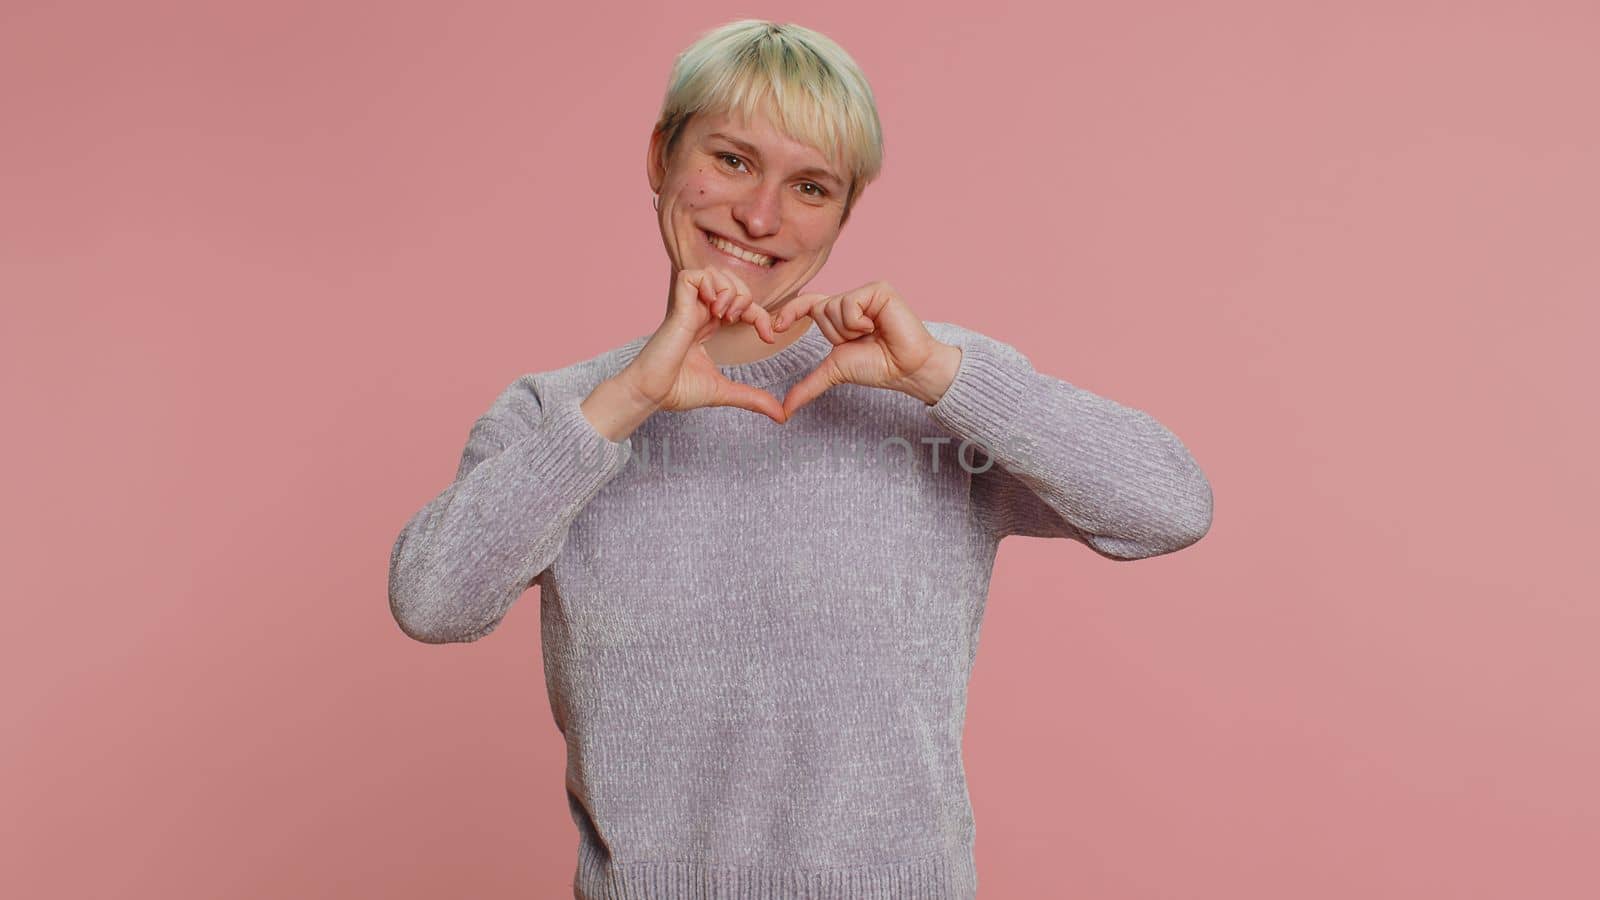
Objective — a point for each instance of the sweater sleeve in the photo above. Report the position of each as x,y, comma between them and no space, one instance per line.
528,469
1065,462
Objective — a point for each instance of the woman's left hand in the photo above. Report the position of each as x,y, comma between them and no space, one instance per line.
878,342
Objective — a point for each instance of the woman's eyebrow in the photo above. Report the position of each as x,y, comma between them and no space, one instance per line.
751,150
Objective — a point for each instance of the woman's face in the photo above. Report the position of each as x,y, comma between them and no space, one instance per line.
750,184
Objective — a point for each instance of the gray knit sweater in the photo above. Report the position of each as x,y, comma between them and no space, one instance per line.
757,637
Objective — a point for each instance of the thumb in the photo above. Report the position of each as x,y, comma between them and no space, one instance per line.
809,388
745,396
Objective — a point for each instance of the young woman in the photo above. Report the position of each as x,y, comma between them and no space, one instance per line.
758,615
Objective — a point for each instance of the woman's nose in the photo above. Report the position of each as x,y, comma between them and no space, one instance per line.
760,211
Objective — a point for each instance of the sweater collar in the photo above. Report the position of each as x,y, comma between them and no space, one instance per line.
796,359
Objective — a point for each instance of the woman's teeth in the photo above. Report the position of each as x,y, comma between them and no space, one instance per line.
732,250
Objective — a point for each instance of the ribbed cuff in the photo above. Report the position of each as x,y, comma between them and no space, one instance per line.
982,403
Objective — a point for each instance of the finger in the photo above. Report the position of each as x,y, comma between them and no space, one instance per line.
856,318
740,289
723,290
758,316
825,325
707,328
809,388
746,396
705,283
835,313
688,286
732,289
741,299
690,300
795,308
708,291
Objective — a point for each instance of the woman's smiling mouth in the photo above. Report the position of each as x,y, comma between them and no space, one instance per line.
734,251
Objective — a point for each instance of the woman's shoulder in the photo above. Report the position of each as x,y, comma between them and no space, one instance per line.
946,331
961,335
586,373
531,392
989,352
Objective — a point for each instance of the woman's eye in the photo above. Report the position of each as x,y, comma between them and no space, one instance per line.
813,189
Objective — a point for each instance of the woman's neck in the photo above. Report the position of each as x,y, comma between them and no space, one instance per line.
739,343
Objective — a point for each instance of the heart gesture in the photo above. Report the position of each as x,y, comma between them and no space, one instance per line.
878,342
674,372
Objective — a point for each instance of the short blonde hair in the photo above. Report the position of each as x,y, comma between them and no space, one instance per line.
814,91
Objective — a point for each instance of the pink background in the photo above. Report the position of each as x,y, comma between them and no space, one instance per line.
262,266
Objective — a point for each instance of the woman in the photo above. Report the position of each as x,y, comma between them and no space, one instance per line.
759,616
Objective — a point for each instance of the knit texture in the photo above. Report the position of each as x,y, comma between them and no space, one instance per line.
758,637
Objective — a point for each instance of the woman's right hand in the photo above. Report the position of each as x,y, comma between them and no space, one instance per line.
674,372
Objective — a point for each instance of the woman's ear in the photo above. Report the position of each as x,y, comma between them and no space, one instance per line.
655,169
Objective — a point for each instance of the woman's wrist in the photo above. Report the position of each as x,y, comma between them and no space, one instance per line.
615,408
930,382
